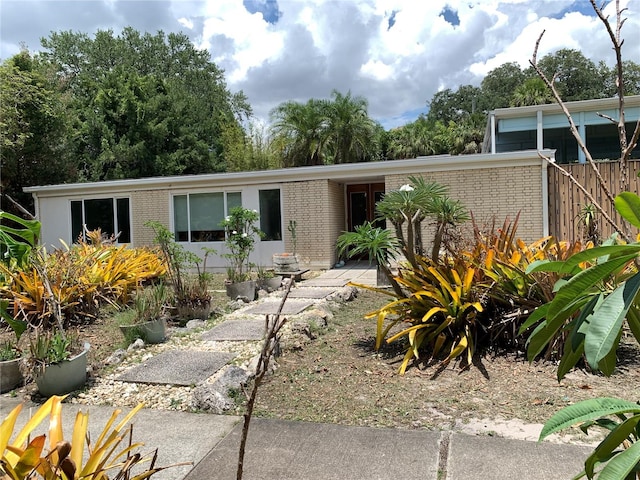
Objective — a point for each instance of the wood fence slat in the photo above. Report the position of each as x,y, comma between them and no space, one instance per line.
566,200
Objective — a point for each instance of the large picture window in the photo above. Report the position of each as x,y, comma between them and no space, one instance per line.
197,216
111,215
270,214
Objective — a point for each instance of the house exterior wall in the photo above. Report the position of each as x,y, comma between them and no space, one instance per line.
490,185
148,205
317,206
497,192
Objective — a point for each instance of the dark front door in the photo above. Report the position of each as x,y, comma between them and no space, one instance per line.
361,203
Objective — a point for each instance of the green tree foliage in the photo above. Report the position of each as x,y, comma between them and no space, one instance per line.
532,91
500,83
33,122
576,77
146,104
325,131
456,120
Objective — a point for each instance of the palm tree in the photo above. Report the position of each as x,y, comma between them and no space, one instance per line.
532,92
351,132
300,130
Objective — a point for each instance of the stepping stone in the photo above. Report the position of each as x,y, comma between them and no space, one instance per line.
310,292
181,368
271,308
236,330
326,282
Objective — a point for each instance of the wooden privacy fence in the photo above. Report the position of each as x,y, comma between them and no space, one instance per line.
566,201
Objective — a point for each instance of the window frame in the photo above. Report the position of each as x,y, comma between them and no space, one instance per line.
115,200
187,195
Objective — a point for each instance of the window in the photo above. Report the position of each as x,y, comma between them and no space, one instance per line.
270,214
111,215
197,216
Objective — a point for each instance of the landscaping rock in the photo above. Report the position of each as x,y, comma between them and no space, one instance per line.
345,294
194,324
319,316
137,345
116,357
217,397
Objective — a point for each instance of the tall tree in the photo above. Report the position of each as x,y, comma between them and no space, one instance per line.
325,131
575,76
351,132
147,104
500,83
300,132
33,129
532,91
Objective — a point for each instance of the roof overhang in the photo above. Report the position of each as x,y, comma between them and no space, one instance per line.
351,172
572,107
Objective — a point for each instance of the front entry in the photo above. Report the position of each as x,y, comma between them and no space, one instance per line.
361,204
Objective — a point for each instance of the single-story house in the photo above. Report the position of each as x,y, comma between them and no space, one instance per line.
324,201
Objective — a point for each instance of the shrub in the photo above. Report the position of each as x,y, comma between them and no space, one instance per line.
78,279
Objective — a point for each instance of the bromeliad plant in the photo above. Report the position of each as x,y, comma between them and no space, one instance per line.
439,312
112,455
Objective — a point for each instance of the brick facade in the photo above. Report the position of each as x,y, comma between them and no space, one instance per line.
491,193
148,205
318,208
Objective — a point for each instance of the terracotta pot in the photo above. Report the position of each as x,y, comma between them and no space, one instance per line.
285,263
10,374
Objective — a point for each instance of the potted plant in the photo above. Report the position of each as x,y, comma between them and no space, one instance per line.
58,361
147,319
378,243
240,233
191,295
288,262
268,280
10,354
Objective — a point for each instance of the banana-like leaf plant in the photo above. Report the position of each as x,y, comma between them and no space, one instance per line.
595,296
619,453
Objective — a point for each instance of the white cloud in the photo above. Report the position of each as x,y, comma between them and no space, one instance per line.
320,45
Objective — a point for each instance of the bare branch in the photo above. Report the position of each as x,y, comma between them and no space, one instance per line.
574,131
602,115
625,153
590,197
534,59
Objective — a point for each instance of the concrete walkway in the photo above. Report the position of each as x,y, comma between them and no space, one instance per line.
279,450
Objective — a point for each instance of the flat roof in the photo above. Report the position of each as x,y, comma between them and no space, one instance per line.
348,172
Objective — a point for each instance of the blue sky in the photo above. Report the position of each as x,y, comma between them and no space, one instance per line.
395,53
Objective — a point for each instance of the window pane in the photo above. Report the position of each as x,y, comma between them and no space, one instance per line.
124,222
206,211
270,214
98,213
180,218
234,199
76,220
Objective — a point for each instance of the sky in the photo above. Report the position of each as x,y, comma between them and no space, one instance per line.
395,53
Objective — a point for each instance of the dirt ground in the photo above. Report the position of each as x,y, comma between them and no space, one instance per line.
339,378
